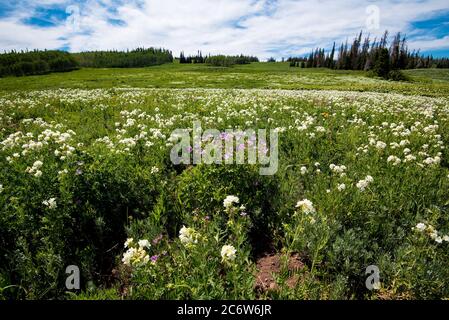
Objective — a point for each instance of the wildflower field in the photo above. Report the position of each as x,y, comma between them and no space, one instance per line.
362,180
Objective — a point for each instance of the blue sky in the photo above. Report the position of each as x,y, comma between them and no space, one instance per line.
265,28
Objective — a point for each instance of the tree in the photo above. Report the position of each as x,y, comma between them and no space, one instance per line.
382,63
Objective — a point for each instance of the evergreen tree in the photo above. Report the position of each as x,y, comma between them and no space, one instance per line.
330,63
382,64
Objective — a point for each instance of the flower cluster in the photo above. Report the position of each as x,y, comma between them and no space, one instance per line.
338,169
364,183
35,169
228,253
394,160
431,232
188,236
50,203
136,255
306,206
229,201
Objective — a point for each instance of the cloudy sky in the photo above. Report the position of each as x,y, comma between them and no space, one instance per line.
278,28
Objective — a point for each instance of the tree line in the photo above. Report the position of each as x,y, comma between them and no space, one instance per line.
198,58
136,58
217,60
375,56
21,63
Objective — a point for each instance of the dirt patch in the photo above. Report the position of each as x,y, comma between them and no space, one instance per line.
269,265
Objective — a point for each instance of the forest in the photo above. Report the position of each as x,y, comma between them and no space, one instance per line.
137,58
36,62
371,55
377,56
217,60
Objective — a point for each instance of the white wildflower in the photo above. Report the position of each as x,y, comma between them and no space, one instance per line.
394,160
144,243
188,236
128,242
135,257
154,170
363,184
420,226
228,253
306,206
229,201
50,203
380,145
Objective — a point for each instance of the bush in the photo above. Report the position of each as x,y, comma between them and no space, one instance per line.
227,61
220,61
93,208
397,75
192,266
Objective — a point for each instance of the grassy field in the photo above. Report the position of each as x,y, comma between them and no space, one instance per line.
429,82
86,179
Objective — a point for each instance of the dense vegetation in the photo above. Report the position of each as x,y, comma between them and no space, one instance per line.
429,82
41,62
373,56
217,60
362,180
226,61
26,63
198,58
140,57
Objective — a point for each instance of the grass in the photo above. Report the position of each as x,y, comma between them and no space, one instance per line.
279,75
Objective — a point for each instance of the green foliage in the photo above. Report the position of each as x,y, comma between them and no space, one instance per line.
397,75
203,188
227,61
35,62
220,61
196,270
375,57
140,57
381,66
111,178
258,75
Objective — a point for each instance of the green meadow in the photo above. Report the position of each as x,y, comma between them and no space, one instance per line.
429,82
88,187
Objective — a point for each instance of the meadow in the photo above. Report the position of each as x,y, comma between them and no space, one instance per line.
86,180
427,82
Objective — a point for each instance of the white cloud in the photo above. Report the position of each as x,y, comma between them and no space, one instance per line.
259,27
21,37
426,44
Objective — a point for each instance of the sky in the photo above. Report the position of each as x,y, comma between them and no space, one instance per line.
265,28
